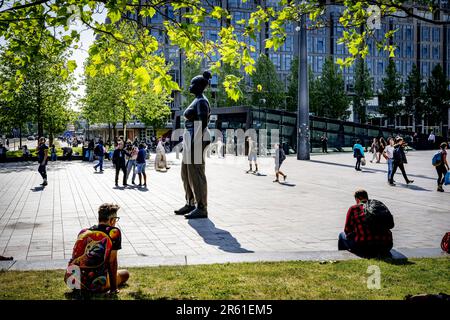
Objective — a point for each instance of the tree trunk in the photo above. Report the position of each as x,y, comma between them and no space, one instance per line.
20,136
114,130
39,111
109,131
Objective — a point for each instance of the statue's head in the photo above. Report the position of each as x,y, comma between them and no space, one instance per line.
199,83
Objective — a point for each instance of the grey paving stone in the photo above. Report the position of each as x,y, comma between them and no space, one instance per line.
247,213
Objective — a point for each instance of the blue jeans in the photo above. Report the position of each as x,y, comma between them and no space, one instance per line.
53,157
344,243
390,163
131,164
100,163
91,155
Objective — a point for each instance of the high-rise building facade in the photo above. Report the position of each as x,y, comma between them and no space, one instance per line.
418,42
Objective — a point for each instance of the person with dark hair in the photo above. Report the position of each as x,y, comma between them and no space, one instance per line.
193,164
43,160
399,161
388,153
358,153
140,164
442,168
359,236
280,156
381,145
91,146
324,140
252,154
120,162
99,151
53,153
94,265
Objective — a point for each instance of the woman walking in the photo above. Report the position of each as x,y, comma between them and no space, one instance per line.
358,153
381,146
279,158
374,149
442,168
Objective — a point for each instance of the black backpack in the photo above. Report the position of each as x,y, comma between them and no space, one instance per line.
377,216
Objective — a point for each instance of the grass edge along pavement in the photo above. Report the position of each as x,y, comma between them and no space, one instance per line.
262,280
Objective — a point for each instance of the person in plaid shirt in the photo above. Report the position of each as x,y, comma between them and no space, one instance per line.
357,236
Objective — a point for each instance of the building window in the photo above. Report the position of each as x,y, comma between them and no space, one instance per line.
425,34
436,35
436,51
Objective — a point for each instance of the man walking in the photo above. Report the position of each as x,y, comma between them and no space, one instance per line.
252,155
119,162
399,161
388,154
43,159
99,151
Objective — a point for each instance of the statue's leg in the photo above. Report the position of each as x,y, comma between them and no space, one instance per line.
189,195
197,179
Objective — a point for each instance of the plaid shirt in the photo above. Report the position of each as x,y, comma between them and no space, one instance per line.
357,230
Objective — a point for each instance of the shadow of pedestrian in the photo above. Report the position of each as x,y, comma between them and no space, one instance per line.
217,237
287,184
413,187
37,189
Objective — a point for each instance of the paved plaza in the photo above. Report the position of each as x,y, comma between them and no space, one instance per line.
247,213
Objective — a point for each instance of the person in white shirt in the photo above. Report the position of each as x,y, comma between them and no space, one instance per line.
388,154
160,159
432,137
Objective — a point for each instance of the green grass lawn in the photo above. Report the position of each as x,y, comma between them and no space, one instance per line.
282,280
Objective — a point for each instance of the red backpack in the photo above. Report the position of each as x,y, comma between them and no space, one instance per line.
445,243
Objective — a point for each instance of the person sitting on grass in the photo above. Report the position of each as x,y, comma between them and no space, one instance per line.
363,234
93,267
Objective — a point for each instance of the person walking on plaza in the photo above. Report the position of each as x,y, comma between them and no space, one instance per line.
381,145
140,164
442,168
367,227
280,156
53,153
91,146
197,117
388,154
43,160
358,153
252,154
94,255
99,151
324,140
119,161
131,164
374,149
399,161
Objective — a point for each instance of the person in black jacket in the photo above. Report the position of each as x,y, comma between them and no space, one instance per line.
193,165
399,161
120,163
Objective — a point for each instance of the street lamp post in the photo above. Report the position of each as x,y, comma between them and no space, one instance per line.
303,94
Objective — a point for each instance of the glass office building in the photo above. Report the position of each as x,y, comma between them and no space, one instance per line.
420,43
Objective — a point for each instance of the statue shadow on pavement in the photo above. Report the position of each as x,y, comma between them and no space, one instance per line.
217,237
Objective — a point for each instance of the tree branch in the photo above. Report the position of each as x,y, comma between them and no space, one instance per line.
24,6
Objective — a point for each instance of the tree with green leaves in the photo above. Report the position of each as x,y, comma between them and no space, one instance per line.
111,97
415,95
363,90
390,99
51,20
438,97
45,85
266,85
333,101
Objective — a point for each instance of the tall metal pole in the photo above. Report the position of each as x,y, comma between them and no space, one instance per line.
303,95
